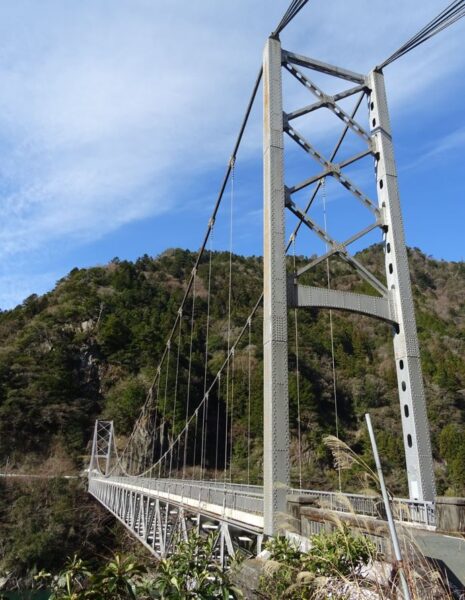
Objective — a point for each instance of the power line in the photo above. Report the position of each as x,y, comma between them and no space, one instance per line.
450,15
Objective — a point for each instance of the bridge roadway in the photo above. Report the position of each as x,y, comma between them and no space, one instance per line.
159,511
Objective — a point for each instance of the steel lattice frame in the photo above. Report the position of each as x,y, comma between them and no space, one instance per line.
161,521
394,303
101,445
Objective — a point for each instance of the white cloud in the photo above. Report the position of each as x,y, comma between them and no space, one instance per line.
108,107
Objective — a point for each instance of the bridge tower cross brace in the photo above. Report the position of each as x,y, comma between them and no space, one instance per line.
101,445
395,306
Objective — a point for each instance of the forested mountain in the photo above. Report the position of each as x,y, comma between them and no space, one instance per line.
90,348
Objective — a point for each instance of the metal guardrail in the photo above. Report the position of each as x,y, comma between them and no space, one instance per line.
249,498
232,496
404,510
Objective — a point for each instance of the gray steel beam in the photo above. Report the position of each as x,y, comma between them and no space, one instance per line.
407,354
328,102
322,103
328,172
335,170
317,65
276,471
373,306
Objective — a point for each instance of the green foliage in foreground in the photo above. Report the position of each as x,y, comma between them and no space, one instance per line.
89,348
194,573
292,573
190,573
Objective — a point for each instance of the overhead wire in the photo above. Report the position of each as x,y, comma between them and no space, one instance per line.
163,419
231,437
194,456
452,13
217,441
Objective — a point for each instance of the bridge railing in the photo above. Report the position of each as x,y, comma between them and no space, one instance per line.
404,510
239,497
249,498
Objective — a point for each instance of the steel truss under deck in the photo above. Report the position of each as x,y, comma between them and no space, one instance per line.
160,520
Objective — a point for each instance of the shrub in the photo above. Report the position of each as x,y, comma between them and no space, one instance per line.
339,553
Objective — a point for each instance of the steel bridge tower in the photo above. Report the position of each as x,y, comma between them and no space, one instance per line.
394,303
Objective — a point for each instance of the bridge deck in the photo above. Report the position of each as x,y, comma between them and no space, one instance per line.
243,504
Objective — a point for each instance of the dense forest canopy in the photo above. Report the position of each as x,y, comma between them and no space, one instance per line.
90,347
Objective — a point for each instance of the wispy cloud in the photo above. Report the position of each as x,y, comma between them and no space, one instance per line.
108,107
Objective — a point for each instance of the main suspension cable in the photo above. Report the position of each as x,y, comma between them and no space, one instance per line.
294,8
450,15
208,232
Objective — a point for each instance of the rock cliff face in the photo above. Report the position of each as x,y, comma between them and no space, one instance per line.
90,347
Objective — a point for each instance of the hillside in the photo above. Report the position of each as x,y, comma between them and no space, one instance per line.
90,347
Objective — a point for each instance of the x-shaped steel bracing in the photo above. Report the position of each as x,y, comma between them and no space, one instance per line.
332,169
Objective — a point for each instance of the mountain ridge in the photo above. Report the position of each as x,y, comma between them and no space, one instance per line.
89,349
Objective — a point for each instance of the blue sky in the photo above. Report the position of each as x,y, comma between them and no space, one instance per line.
117,118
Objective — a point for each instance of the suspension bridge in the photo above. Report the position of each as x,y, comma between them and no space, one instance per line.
190,462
